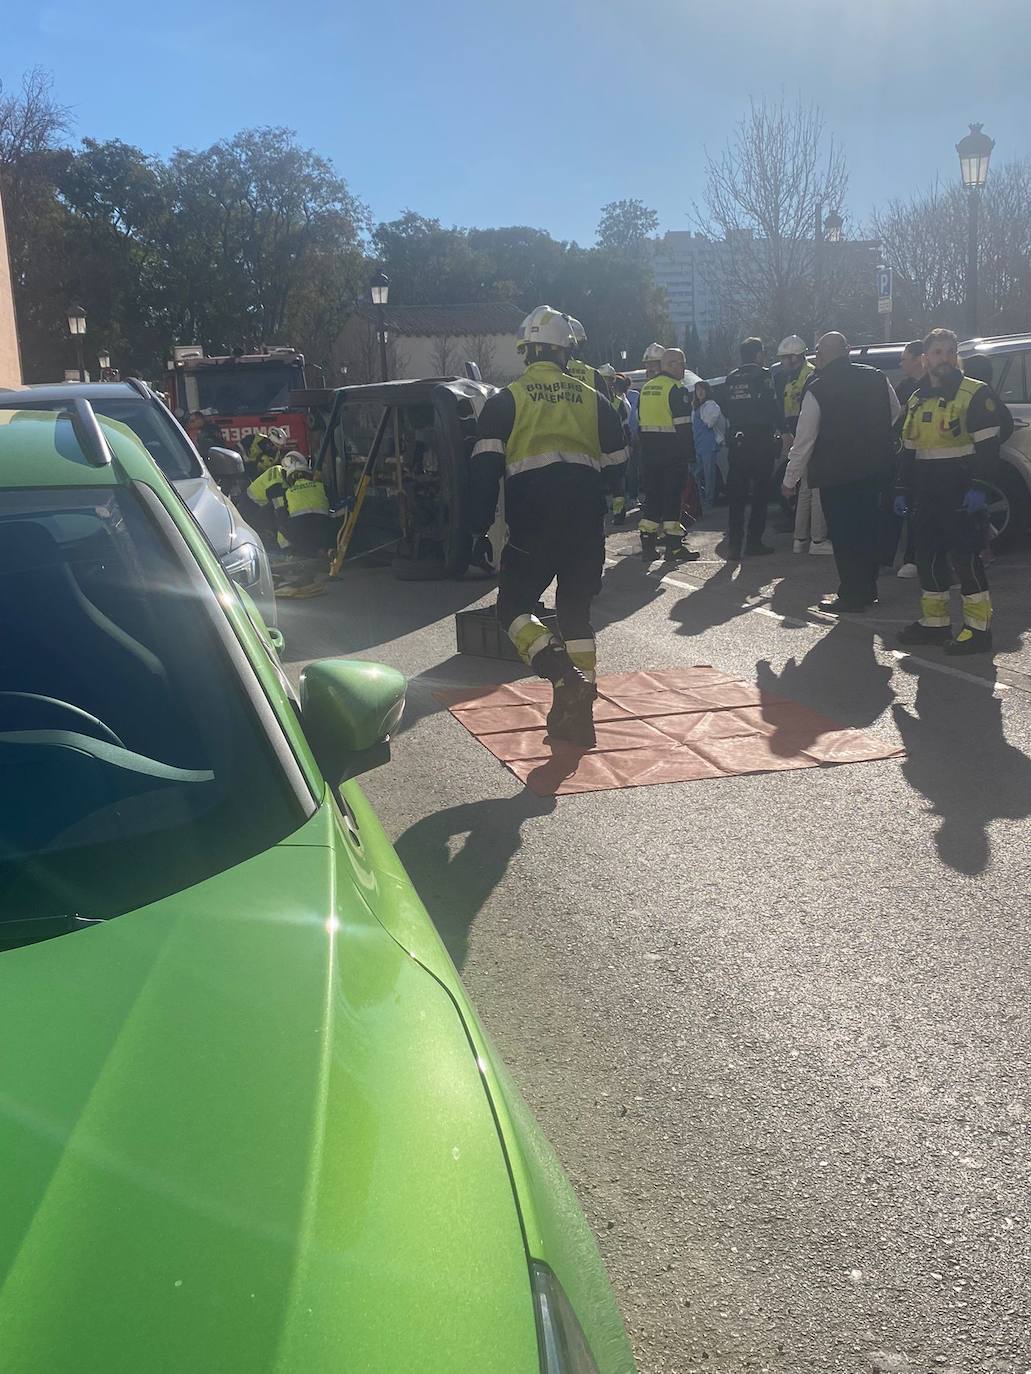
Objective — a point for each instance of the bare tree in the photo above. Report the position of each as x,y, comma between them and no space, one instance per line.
765,199
443,354
924,241
481,349
357,350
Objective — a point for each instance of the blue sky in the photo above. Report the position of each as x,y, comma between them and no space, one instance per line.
538,114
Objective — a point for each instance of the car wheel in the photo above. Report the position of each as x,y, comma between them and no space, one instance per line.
1007,504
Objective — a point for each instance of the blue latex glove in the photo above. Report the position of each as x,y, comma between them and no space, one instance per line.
975,501
901,506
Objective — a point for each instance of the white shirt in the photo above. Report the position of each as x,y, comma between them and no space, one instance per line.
808,429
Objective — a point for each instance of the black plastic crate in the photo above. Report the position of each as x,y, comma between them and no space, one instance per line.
479,633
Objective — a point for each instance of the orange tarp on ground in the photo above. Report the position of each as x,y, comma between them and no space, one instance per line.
673,725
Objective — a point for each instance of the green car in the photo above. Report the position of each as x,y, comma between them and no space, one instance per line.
253,1124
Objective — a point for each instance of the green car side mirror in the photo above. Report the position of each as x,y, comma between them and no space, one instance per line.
349,709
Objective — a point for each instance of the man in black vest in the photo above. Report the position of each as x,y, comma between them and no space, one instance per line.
845,446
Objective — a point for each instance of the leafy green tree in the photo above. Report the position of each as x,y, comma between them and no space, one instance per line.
626,226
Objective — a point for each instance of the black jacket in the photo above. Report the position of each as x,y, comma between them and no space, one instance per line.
856,438
750,404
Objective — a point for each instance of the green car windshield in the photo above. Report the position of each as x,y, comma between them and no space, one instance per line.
132,762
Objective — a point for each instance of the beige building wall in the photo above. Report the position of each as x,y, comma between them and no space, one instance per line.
10,358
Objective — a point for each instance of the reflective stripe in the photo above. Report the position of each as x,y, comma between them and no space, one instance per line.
647,527
657,429
299,514
683,420
609,460
934,608
981,434
530,636
977,610
545,460
584,653
488,446
964,451
673,527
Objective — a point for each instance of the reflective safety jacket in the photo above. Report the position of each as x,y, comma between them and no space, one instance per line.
664,405
295,496
543,421
793,391
584,372
260,452
951,421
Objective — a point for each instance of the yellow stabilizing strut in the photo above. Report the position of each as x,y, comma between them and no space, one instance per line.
347,528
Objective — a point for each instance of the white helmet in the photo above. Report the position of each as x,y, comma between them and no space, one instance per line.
280,437
606,370
544,325
792,347
653,353
577,330
294,462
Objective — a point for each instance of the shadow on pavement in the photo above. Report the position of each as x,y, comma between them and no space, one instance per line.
625,588
960,760
369,606
457,857
840,676
731,591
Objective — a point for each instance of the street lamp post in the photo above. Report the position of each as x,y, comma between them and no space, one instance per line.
104,363
380,289
975,151
77,328
833,225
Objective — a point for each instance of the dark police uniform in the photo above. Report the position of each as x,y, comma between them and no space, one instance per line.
749,402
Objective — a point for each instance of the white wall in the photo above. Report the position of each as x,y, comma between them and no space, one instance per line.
10,358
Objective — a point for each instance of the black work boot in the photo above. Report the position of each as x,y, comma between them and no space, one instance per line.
649,546
676,551
919,633
756,546
970,641
571,717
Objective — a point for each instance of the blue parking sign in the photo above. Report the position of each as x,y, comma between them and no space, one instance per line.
884,283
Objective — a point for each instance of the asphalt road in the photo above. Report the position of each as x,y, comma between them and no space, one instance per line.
776,1026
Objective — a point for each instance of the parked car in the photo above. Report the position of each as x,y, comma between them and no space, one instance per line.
133,403
250,1119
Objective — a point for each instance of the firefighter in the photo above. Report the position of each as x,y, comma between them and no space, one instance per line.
263,451
557,444
621,406
667,452
651,360
951,420
299,504
749,403
577,367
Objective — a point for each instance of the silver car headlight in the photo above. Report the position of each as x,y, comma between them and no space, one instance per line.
243,564
563,1345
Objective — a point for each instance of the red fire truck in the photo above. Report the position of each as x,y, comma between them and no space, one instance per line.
243,394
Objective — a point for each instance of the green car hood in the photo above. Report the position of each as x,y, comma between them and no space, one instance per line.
243,1130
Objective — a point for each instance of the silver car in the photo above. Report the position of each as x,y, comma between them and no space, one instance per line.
132,403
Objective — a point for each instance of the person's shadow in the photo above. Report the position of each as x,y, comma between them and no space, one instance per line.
960,760
456,858
721,598
839,677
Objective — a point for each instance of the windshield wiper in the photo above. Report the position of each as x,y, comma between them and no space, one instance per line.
29,930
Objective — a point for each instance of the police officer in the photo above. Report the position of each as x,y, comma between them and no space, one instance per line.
299,504
748,401
263,451
667,452
951,421
577,367
557,443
